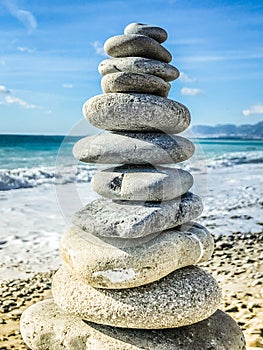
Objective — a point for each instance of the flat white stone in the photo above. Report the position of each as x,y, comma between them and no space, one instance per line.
133,148
136,112
105,265
44,326
127,219
142,183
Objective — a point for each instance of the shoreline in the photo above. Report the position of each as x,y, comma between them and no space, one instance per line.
237,264
234,205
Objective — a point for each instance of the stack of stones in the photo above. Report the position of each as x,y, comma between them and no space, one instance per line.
129,279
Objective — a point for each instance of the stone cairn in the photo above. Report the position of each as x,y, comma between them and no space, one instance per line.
129,279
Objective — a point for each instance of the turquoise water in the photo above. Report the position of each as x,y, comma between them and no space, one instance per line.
214,147
26,151
30,160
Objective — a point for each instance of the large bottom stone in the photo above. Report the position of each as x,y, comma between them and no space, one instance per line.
105,265
46,327
130,219
184,297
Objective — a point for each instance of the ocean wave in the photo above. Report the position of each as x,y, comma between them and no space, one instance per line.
11,179
235,158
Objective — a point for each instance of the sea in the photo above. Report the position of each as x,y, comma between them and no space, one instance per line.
42,185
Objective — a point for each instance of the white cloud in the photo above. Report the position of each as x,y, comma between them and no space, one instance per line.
8,98
25,17
254,109
185,78
24,49
15,100
67,86
4,90
98,48
191,92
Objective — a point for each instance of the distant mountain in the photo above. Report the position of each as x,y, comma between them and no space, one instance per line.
246,131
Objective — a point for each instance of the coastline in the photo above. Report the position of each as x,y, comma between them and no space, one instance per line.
237,264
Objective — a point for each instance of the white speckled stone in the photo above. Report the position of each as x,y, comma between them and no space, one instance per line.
104,265
157,33
133,45
133,148
136,112
139,65
134,82
127,219
184,297
44,326
141,183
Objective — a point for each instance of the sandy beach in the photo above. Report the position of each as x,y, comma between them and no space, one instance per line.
237,264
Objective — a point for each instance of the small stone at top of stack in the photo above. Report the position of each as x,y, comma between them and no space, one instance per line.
157,33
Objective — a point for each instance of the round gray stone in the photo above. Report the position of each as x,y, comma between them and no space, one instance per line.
127,219
104,265
157,33
142,183
133,45
184,297
136,112
134,82
133,148
44,326
139,65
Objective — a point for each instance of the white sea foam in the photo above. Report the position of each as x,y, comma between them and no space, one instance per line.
235,158
13,179
32,222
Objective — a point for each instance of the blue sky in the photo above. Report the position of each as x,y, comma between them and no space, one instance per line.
50,50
